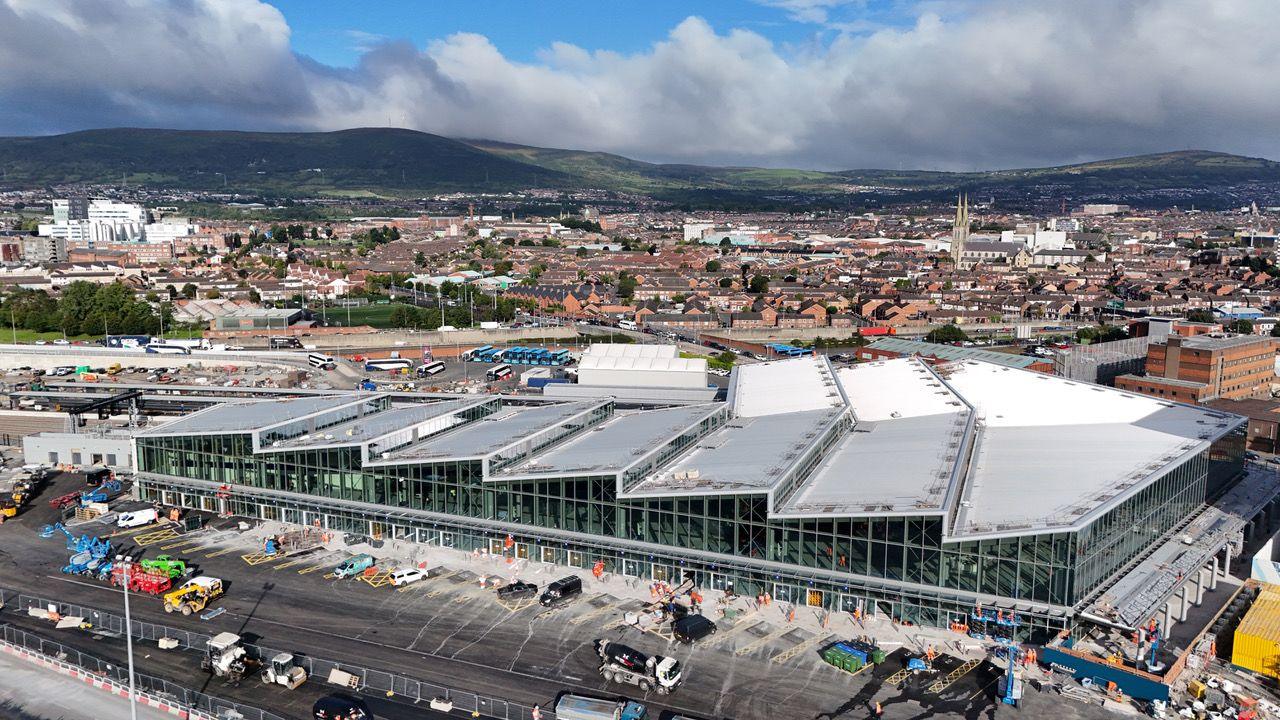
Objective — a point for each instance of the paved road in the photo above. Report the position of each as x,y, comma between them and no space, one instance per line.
28,692
454,634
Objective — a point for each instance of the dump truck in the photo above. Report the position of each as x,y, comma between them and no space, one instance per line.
354,565
225,657
283,670
193,596
624,664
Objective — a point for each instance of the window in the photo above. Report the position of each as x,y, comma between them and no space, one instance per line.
53,458
75,458
111,459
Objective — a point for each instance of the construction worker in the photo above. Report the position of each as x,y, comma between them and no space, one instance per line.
879,711
536,713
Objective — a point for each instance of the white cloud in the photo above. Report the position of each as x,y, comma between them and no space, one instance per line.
1004,83
809,11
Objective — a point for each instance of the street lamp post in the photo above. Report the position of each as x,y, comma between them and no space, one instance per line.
128,639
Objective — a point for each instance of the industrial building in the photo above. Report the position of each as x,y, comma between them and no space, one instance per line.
895,488
637,373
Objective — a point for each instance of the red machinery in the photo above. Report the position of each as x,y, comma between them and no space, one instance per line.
65,501
140,580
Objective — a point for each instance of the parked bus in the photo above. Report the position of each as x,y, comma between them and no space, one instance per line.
388,364
322,361
476,353
431,368
164,349
501,372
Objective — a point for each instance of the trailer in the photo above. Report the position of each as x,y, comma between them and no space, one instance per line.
292,542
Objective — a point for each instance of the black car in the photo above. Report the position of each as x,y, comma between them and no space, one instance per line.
692,627
561,590
518,590
341,707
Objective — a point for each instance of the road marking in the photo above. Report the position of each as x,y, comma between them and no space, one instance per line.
595,613
800,647
946,682
220,553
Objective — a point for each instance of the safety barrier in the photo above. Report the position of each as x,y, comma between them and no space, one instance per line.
150,691
365,679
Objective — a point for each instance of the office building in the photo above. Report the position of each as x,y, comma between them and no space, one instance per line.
1206,367
894,488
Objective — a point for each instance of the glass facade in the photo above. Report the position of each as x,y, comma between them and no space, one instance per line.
902,565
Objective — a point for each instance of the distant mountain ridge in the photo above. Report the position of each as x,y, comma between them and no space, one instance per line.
406,163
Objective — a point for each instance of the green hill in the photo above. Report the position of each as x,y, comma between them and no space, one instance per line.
382,161
405,163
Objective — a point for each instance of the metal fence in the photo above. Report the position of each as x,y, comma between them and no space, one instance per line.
153,686
320,669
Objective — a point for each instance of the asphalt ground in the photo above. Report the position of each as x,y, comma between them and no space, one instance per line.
451,632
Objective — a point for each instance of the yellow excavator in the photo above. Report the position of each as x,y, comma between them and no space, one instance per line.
193,596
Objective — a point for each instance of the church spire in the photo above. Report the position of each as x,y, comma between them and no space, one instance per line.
960,228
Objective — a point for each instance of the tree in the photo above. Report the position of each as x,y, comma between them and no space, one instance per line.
189,291
1201,316
759,284
254,295
726,283
1242,326
626,286
213,294
949,333
1275,330
419,259
713,266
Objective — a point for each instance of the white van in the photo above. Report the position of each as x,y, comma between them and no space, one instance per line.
137,518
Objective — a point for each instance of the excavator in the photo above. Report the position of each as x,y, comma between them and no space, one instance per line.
193,596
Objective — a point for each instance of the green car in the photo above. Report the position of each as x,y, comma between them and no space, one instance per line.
166,564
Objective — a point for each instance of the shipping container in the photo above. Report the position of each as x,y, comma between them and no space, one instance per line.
1257,640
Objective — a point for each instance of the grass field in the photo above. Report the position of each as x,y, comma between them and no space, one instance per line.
378,316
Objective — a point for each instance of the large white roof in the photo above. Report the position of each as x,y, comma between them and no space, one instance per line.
634,362
785,386
1053,453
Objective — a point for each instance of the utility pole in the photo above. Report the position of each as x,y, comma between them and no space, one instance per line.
128,639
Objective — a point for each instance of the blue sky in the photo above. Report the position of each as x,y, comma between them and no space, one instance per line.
336,32
828,84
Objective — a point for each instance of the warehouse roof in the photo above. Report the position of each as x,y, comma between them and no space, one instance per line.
372,426
952,352
905,451
784,386
489,434
614,444
632,362
247,416
1053,453
746,453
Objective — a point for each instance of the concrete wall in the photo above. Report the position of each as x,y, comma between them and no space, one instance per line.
46,357
457,337
37,449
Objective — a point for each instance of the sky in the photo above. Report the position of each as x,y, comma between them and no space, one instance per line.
824,84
